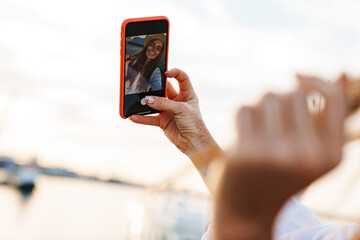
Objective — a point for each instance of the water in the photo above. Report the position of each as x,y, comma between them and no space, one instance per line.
74,209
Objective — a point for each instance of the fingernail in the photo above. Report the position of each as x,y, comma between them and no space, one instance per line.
149,99
167,71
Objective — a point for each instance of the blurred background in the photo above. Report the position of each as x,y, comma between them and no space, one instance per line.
71,168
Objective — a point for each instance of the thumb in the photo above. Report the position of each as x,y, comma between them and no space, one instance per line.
163,104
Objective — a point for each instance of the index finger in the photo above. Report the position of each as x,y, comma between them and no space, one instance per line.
183,79
170,91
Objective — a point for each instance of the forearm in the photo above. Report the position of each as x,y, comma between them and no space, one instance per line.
232,222
242,208
230,228
202,151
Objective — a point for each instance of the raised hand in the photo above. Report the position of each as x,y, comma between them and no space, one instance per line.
181,120
281,149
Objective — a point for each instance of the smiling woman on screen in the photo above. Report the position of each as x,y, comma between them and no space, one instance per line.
142,73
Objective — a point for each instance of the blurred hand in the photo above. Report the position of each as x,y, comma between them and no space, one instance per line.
181,119
281,148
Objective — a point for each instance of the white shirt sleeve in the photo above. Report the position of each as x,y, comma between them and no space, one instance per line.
297,222
207,234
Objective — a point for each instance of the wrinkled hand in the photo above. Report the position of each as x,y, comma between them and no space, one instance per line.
181,119
281,149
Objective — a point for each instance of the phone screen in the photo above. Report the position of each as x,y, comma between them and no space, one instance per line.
145,63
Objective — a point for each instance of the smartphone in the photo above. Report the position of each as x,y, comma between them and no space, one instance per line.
143,62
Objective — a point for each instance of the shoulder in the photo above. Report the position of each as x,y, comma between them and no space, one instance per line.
156,75
156,71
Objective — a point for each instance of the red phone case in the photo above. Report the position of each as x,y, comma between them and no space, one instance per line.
122,54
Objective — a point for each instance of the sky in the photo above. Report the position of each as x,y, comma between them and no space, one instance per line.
59,73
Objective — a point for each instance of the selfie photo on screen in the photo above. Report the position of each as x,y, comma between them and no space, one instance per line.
144,63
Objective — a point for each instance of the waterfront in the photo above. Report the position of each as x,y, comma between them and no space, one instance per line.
62,208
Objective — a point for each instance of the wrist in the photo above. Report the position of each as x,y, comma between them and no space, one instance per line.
231,225
202,149
241,230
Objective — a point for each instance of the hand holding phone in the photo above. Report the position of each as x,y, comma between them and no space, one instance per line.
144,50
